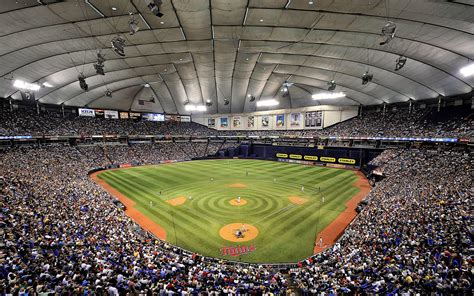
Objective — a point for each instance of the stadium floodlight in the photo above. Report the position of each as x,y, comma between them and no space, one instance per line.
99,65
388,31
133,24
47,84
468,70
147,85
400,63
25,85
332,85
252,98
208,103
322,96
155,7
226,102
118,45
108,93
267,103
82,82
99,68
366,78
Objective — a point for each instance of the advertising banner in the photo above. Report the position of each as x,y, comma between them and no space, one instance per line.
134,115
295,119
313,119
251,121
185,118
310,157
171,117
346,160
224,122
110,114
236,120
153,117
99,113
86,112
327,159
280,120
282,155
211,122
124,115
296,156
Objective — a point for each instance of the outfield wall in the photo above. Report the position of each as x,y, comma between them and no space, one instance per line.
330,156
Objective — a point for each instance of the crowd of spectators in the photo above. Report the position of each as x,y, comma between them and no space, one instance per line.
62,234
382,161
150,153
414,237
398,123
28,122
401,123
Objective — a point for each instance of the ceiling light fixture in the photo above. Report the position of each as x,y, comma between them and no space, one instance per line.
118,44
468,70
321,96
261,20
367,77
332,85
388,31
99,65
155,7
133,24
114,8
147,85
267,103
47,84
25,85
400,63
195,108
82,82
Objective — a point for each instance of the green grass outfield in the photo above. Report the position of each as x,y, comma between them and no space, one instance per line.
287,232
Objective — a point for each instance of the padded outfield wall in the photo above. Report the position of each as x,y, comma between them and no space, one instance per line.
331,156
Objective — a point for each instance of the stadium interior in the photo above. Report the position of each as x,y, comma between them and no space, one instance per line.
383,89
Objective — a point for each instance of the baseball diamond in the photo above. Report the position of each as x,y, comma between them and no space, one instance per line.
192,208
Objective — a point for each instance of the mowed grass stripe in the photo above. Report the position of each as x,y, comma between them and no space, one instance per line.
197,221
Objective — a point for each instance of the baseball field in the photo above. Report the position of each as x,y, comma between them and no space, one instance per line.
276,210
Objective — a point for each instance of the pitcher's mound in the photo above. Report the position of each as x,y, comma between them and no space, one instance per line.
297,200
237,185
177,201
248,232
235,202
